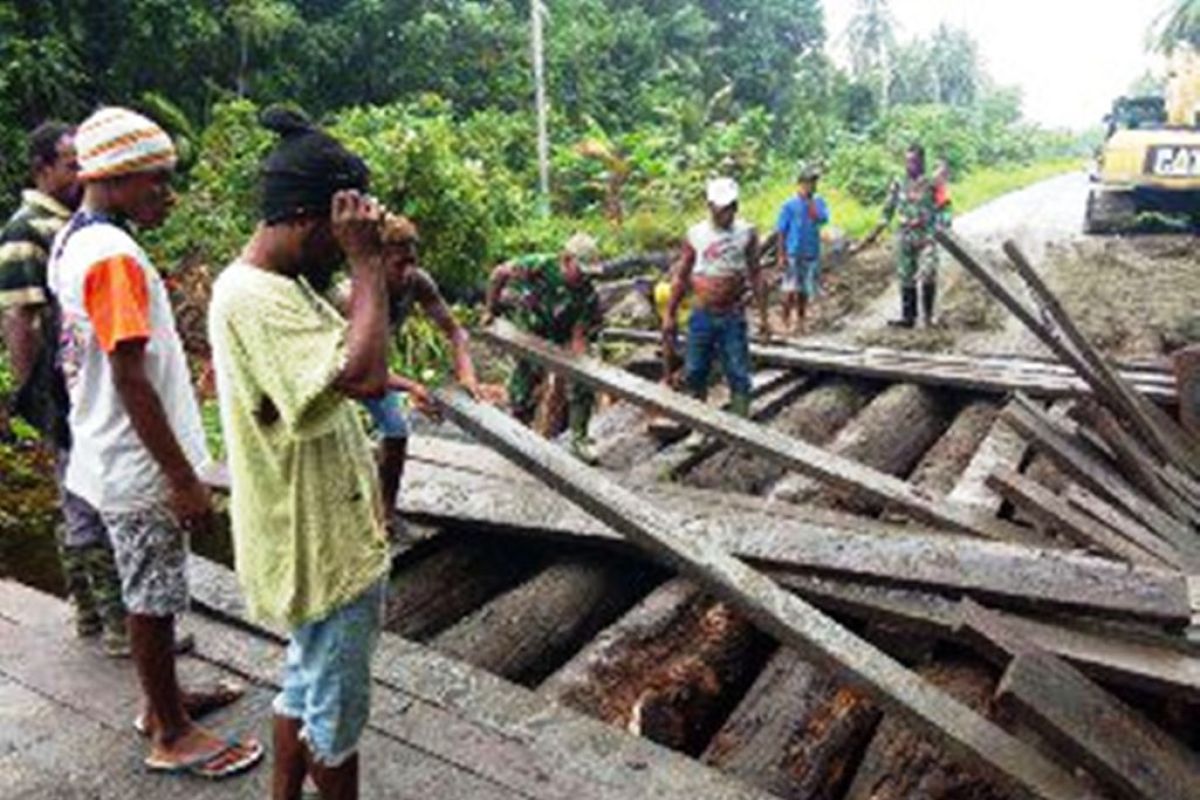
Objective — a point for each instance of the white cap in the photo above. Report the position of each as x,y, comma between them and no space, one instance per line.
722,192
581,246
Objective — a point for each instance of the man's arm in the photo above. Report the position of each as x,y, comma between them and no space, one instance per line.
681,278
22,331
189,498
435,307
356,226
757,284
501,275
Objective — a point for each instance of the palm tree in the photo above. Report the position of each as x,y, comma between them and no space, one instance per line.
1178,24
871,34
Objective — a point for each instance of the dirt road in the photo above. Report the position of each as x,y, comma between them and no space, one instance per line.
1134,296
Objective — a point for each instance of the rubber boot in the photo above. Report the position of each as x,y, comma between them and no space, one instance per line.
928,299
739,404
908,308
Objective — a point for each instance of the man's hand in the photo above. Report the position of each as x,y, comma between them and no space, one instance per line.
470,384
191,503
356,221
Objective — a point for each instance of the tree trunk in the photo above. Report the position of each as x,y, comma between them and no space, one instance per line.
435,591
668,670
901,764
525,633
941,467
797,734
890,434
815,418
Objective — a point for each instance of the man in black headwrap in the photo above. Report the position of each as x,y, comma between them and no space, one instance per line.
308,524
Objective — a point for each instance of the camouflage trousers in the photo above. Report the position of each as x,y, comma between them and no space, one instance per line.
916,264
86,556
523,388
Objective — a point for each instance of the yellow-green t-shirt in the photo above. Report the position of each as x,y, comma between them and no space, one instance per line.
305,506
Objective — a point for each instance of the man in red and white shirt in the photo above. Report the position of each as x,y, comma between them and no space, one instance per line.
135,425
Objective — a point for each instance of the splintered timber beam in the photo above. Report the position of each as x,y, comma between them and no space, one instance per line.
1085,723
793,454
783,615
784,539
1160,431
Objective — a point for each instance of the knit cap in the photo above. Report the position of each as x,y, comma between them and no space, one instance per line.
116,141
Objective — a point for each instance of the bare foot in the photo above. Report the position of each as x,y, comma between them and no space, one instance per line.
197,703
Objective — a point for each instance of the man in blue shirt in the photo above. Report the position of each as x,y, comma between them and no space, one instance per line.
798,256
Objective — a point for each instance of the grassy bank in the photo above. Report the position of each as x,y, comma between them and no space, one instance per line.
856,219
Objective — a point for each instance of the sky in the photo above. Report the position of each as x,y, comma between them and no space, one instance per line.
1070,58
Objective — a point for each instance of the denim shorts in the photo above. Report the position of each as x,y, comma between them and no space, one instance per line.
389,414
802,275
150,549
327,676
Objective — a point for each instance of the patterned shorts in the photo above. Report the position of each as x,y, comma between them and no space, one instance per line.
151,554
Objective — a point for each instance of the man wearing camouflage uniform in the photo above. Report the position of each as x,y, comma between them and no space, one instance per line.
922,214
551,297
29,320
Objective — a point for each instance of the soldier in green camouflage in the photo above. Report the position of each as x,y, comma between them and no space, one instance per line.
923,211
551,297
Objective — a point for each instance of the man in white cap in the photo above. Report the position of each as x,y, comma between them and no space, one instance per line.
719,263
138,442
551,296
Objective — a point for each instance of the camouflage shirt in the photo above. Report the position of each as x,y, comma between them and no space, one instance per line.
538,299
920,217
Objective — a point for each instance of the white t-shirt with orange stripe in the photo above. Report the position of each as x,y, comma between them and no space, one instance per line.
109,293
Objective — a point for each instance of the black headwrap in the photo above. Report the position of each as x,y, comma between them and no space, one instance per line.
306,168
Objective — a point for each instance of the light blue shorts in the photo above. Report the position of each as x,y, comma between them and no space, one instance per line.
327,676
802,275
389,414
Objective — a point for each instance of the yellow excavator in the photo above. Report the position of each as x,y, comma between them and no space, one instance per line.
1150,160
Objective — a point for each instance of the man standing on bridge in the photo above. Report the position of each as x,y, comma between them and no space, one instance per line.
719,263
308,528
798,252
916,198
551,296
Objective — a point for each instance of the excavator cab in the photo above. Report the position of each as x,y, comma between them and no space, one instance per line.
1150,160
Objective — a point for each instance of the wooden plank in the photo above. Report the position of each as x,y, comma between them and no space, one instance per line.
1008,574
1157,429
1126,526
792,621
1049,509
1002,448
496,730
791,453
975,373
1091,727
1094,474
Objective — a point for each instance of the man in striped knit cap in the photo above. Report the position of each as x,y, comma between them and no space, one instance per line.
135,425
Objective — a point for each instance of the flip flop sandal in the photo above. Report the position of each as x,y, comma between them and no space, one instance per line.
198,766
217,695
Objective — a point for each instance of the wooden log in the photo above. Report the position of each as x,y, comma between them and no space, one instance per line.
1008,574
525,633
816,417
1097,476
890,434
792,621
791,453
944,464
987,374
798,733
432,590
1054,512
669,670
901,763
